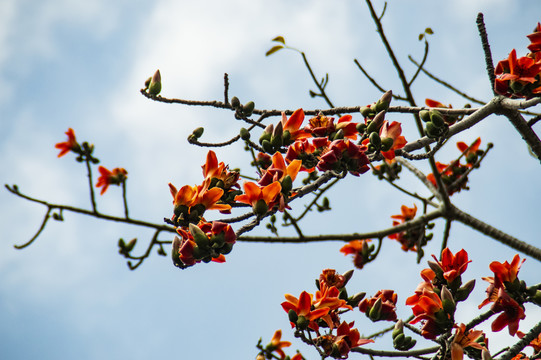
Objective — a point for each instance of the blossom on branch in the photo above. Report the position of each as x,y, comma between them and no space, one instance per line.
300,311
381,306
518,77
393,132
117,176
464,339
360,250
262,199
70,145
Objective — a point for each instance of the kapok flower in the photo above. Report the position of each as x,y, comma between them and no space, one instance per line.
505,272
278,170
449,119
464,339
347,338
276,345
70,145
343,155
535,39
470,152
330,277
307,151
191,202
409,238
428,307
301,308
451,174
360,251
220,172
407,213
511,313
391,131
261,198
518,77
107,177
293,124
452,266
381,306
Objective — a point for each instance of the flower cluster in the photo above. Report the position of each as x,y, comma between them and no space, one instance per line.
381,306
455,175
434,301
117,176
521,77
412,239
506,292
203,242
312,314
361,251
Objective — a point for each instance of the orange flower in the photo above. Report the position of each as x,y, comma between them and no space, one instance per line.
302,308
360,250
115,177
511,313
505,272
329,277
428,307
387,310
307,152
407,213
535,343
278,170
343,155
392,131
70,145
436,104
535,39
470,152
276,345
220,172
261,199
293,124
348,338
409,238
451,265
464,339
518,77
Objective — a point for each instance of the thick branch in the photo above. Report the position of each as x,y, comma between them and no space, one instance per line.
395,353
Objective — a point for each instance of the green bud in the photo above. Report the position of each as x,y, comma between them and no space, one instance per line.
348,274
276,141
226,248
292,315
424,115
516,86
174,251
235,102
244,134
199,236
463,292
267,146
361,127
147,82
366,111
431,130
129,246
155,85
356,299
376,123
265,136
375,312
375,140
398,341
386,144
302,323
398,328
198,132
287,184
260,208
383,103
436,119
286,138
248,108
339,135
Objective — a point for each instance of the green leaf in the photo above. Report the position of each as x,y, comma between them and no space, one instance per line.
274,49
429,31
280,39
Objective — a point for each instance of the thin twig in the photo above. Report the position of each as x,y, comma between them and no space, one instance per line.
486,49
420,66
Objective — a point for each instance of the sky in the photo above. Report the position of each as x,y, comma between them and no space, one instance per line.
67,63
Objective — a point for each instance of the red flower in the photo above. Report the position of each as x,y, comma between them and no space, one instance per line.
535,39
360,250
464,339
293,124
505,272
511,313
409,238
261,198
392,131
276,345
535,343
107,177
307,152
451,265
347,338
302,307
219,171
343,155
70,145
329,277
387,309
278,170
518,77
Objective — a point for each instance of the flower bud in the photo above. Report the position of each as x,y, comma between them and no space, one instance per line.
155,85
485,355
198,132
436,119
398,340
386,144
287,184
463,292
361,127
286,138
199,236
348,274
260,208
398,328
366,111
129,246
447,300
339,135
248,108
356,299
235,102
375,312
267,146
174,252
434,266
424,115
431,130
147,82
376,123
375,140
302,323
244,134
383,103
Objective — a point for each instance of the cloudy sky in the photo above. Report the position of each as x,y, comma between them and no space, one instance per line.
67,63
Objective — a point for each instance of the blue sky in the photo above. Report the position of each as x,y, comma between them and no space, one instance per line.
72,64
